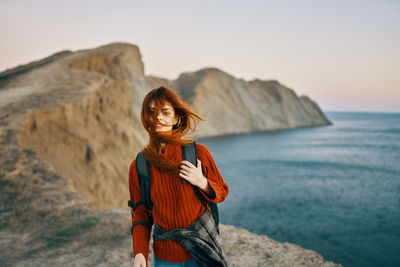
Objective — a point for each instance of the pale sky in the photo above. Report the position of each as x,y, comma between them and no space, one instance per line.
345,54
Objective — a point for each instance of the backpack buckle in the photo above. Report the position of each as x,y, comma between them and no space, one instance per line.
208,207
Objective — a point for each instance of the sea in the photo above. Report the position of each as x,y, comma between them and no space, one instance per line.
333,189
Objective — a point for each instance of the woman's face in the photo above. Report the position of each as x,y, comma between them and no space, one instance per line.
166,119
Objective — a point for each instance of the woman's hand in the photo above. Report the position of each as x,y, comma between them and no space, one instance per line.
139,261
193,175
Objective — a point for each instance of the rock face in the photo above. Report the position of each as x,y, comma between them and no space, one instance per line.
70,127
237,106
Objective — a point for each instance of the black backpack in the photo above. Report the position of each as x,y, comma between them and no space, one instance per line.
189,153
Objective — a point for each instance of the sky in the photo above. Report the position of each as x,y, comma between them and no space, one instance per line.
343,54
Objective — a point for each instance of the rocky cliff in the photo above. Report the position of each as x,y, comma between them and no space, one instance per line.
237,106
70,126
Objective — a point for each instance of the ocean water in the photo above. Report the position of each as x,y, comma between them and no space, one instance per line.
332,189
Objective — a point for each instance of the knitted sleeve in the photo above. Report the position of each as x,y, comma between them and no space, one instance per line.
211,172
140,233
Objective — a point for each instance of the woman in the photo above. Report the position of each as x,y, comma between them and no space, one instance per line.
175,205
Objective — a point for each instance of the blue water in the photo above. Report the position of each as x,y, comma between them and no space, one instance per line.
332,189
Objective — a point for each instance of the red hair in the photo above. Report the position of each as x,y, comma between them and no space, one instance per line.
187,122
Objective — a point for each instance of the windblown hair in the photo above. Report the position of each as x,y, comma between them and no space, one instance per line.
187,123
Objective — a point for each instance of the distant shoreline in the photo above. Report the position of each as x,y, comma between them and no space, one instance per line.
369,112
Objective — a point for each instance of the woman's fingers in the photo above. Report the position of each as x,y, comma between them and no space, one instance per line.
191,173
189,164
185,172
139,261
183,175
185,167
139,264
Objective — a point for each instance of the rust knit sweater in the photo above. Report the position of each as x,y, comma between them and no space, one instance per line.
175,205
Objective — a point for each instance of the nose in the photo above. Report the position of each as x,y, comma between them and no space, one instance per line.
159,116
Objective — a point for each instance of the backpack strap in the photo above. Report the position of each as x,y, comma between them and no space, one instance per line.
134,206
143,172
189,153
